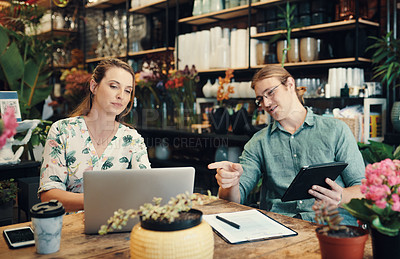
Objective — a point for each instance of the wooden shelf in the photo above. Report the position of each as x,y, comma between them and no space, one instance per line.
150,51
337,61
91,60
221,69
102,4
150,8
321,28
266,2
225,14
56,33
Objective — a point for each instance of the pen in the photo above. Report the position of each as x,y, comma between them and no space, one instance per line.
232,224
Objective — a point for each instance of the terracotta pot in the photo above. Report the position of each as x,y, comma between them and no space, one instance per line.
343,248
188,239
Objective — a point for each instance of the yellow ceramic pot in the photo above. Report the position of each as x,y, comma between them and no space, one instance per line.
195,242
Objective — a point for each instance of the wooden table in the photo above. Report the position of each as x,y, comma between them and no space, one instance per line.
75,244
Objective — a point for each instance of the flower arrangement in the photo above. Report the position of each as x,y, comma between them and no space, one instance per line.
147,81
76,85
381,206
223,93
8,125
181,86
168,212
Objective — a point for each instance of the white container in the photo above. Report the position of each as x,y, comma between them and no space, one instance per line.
47,218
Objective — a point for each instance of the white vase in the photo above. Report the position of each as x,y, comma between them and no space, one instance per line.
162,150
197,7
214,88
205,7
216,5
207,89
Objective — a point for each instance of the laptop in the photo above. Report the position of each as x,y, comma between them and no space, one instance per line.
108,191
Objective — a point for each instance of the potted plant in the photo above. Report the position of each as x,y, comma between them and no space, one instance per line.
335,240
376,151
171,230
8,193
380,208
386,61
23,57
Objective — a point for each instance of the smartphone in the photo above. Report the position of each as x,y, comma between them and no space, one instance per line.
19,237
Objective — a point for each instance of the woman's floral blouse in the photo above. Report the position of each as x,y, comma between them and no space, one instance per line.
69,152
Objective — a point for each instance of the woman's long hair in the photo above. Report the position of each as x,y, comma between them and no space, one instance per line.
98,74
279,72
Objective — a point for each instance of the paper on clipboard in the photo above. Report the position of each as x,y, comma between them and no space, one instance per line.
254,226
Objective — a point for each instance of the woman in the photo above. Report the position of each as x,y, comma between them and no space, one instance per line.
296,138
93,138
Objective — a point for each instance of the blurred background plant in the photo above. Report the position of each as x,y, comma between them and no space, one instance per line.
374,152
181,88
76,85
24,58
8,190
146,83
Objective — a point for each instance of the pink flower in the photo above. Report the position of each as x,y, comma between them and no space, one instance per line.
381,204
396,202
9,125
377,193
382,184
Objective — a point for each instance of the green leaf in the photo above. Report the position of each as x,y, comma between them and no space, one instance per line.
4,40
396,154
386,230
12,65
35,140
357,208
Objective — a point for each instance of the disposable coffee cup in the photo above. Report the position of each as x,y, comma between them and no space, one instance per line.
47,220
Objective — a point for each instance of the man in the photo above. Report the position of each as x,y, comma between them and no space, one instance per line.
295,139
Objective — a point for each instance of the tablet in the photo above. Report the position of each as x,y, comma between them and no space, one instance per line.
312,175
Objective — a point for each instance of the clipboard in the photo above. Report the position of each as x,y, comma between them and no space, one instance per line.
254,226
312,175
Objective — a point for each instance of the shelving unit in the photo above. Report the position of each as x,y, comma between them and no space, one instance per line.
103,4
148,9
226,14
323,28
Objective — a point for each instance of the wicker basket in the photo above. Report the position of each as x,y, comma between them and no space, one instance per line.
354,126
195,242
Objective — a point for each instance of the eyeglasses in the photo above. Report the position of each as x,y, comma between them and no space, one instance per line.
266,95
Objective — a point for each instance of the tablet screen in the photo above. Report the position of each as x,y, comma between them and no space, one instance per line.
312,175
